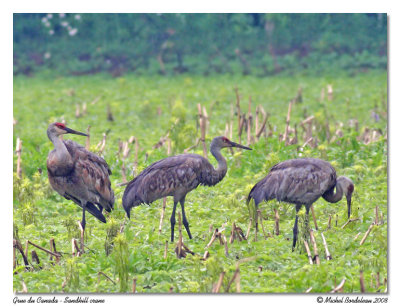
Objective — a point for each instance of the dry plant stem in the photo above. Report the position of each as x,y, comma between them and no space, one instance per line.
366,234
18,150
276,222
169,146
219,283
314,218
259,131
14,258
329,222
308,290
233,233
24,288
355,238
225,245
187,249
376,215
78,252
242,122
249,228
43,249
136,152
348,221
249,122
26,248
308,252
327,254
95,100
232,279
256,121
206,255
214,236
261,222
106,276
237,280
162,214
339,287
134,285
286,135
362,285
378,282
77,111
330,92
123,171
192,147
314,243
238,111
17,245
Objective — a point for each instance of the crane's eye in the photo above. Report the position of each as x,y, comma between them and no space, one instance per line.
224,139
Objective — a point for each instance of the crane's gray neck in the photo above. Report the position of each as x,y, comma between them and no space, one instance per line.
61,152
334,197
222,167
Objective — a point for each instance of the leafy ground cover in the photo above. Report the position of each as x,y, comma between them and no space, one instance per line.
146,108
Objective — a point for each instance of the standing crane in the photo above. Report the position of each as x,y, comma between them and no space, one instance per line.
301,182
79,175
176,176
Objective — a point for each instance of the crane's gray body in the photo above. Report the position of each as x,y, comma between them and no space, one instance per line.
176,176
81,176
297,181
173,176
301,182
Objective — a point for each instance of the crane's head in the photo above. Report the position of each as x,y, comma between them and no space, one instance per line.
348,188
58,129
223,142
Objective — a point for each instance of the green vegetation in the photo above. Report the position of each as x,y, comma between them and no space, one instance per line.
147,107
203,44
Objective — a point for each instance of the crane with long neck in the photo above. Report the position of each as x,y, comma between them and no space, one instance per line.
79,175
176,176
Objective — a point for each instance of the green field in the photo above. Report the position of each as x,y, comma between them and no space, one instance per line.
146,108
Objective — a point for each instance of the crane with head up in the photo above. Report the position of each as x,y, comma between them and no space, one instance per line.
79,175
176,176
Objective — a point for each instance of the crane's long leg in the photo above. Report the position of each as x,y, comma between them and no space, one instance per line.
307,216
83,223
184,220
173,221
295,228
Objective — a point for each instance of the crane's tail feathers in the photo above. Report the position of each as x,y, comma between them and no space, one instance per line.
95,212
90,207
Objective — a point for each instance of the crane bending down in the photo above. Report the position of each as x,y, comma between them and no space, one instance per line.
301,182
176,176
79,175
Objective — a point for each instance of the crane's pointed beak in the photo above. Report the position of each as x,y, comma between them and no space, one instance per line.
234,144
71,131
348,197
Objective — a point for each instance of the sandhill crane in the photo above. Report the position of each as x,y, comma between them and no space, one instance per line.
176,176
79,175
301,182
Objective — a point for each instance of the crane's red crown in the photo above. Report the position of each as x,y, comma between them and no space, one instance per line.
60,125
224,139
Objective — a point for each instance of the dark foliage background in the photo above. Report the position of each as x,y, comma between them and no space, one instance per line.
259,44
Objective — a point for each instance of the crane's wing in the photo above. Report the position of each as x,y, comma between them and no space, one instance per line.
94,172
162,178
298,181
